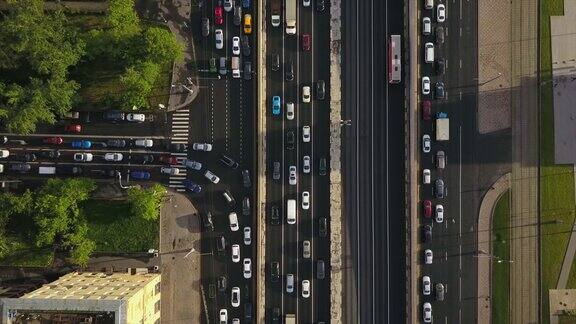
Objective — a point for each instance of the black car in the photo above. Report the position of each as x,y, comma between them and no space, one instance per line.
220,243
289,71
178,147
237,15
116,143
69,170
322,166
322,227
245,45
50,154
207,221
247,312
320,5
439,188
290,138
275,62
275,216
426,233
440,93
440,66
27,157
142,158
320,90
275,271
246,206
114,115
229,162
247,70
20,167
276,315
222,283
440,35
246,179
205,27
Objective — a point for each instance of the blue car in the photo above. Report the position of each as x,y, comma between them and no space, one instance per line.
140,175
81,144
192,187
276,102
246,3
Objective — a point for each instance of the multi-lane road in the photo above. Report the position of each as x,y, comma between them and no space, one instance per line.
373,162
284,241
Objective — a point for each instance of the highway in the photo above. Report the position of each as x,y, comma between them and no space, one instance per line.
373,162
284,241
224,114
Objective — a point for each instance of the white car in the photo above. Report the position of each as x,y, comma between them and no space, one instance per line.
202,147
306,134
83,157
233,219
426,26
223,316
211,176
219,37
137,118
115,157
290,110
427,312
292,175
236,45
247,235
426,285
228,5
306,94
235,253
235,321
306,164
289,283
439,214
441,13
247,268
306,3
426,176
428,256
305,200
4,154
305,288
192,164
235,298
170,170
426,144
425,85
144,142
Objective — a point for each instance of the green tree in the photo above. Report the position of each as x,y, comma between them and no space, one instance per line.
146,203
81,246
161,46
122,21
138,82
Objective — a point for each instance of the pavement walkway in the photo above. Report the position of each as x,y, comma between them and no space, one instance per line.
485,244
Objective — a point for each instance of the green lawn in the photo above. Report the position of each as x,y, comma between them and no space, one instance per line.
556,181
115,230
501,271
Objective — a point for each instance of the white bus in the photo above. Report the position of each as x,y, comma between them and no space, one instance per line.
291,211
395,59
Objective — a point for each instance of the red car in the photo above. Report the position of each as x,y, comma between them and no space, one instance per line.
427,208
168,159
426,110
219,15
74,128
306,42
53,140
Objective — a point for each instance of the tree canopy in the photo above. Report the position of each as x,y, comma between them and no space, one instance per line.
146,203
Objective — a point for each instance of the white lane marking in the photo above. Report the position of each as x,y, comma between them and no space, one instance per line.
460,31
460,223
359,291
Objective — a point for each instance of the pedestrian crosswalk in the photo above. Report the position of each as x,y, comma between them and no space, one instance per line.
179,135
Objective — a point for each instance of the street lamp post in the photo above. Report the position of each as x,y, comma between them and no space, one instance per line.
490,80
192,250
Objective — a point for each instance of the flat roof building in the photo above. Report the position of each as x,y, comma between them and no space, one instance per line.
89,297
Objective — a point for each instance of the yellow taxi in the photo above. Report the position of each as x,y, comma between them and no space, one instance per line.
247,24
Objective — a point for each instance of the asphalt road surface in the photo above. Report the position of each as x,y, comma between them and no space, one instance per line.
224,114
373,149
284,241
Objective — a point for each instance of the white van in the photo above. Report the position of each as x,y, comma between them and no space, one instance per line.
235,67
428,4
291,211
46,170
429,53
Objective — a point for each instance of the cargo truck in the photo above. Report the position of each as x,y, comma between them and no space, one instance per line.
291,17
290,319
235,67
442,126
276,8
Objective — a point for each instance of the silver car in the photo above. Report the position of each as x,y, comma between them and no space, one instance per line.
219,38
292,175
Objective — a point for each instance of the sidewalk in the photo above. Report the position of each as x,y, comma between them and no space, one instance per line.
485,244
